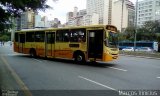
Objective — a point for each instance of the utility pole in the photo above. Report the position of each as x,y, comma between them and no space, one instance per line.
122,16
135,34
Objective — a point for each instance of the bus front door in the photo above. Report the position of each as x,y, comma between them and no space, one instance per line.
50,42
95,44
21,42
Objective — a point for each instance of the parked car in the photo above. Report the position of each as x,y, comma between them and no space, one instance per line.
144,49
128,49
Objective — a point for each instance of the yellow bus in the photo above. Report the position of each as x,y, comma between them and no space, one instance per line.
83,43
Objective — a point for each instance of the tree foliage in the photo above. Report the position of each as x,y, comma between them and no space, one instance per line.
129,33
13,8
148,32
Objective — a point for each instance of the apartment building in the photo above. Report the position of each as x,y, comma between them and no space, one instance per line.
75,18
123,13
27,19
148,10
100,7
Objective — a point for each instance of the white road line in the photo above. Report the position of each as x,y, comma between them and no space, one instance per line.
120,92
158,77
118,69
97,83
37,60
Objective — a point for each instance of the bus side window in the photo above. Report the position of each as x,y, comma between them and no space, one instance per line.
39,36
30,37
62,36
22,38
78,35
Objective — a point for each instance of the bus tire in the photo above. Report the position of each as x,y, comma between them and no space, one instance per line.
79,58
33,53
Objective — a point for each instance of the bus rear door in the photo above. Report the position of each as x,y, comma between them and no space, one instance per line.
95,44
21,42
50,44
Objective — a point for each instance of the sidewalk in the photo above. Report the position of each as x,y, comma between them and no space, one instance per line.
148,55
8,85
7,82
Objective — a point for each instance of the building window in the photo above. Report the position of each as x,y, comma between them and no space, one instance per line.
150,2
146,10
157,3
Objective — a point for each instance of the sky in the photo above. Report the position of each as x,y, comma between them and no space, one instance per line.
61,7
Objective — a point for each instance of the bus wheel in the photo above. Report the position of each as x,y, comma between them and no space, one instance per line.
33,53
79,58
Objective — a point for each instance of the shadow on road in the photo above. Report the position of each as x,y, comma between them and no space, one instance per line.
91,64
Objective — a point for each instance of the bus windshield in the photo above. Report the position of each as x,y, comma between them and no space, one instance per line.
112,40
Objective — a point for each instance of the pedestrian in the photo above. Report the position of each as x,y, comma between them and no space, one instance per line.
3,43
11,43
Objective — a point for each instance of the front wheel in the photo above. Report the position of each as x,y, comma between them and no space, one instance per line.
80,58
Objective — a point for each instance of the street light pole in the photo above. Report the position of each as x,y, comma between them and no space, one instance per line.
135,35
122,16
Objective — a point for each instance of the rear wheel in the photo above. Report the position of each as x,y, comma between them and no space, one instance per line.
33,53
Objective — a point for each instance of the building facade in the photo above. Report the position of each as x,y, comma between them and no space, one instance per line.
123,13
31,20
76,18
148,10
100,7
27,19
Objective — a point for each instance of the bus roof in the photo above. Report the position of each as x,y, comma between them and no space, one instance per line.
70,27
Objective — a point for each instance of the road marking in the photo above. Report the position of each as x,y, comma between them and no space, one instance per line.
97,83
158,77
118,69
120,92
21,84
9,54
37,60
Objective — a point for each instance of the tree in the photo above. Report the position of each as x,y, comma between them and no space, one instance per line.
129,33
148,30
10,8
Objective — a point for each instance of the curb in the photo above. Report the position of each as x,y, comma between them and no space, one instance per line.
140,56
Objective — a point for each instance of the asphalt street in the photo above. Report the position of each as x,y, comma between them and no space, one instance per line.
126,73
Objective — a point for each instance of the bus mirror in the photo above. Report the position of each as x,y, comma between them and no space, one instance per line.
106,41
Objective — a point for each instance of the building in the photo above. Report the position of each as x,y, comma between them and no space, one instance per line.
17,23
116,12
38,21
30,20
100,7
69,16
123,13
91,19
45,22
76,18
27,19
55,23
148,10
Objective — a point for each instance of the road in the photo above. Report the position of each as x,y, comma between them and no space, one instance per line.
41,76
